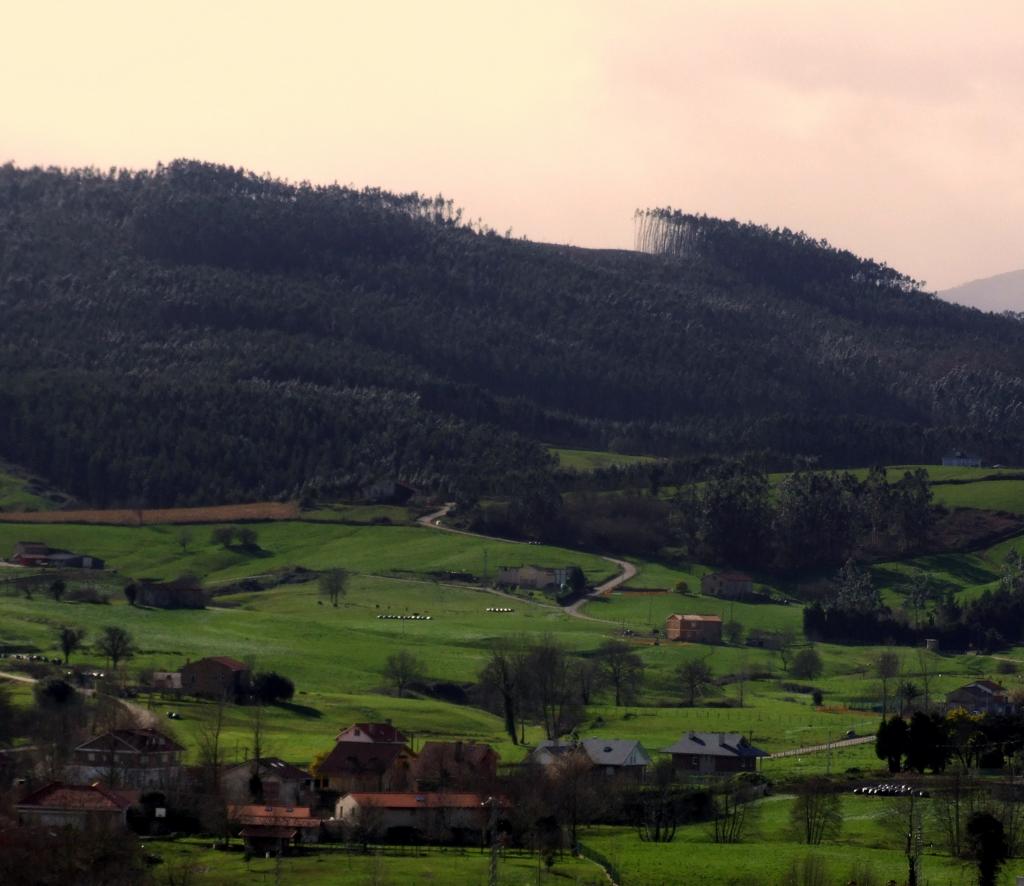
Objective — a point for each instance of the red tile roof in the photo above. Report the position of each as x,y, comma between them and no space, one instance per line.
231,663
378,732
419,801
358,757
273,816
85,797
470,753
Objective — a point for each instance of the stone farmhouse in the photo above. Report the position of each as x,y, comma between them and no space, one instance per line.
381,733
537,577
728,585
983,696
136,758
366,766
694,628
448,765
216,677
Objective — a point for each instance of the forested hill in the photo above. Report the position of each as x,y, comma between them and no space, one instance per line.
199,334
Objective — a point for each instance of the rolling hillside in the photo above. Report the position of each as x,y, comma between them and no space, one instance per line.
212,336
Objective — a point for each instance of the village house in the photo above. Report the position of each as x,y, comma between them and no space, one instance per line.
380,733
536,577
280,783
273,828
710,753
366,766
694,628
441,817
216,677
85,807
982,696
136,758
608,757
182,593
446,765
727,585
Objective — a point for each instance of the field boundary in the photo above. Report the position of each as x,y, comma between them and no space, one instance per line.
265,511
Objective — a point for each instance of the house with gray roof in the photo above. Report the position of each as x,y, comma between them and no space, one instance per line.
608,757
711,753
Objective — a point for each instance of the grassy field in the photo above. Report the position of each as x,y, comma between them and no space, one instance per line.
590,460
991,495
157,552
335,865
20,492
871,838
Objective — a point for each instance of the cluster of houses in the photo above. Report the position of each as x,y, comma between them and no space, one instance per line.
372,778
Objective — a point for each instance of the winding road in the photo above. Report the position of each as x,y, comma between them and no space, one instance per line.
626,569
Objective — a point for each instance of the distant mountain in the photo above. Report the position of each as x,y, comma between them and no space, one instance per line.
1003,292
198,334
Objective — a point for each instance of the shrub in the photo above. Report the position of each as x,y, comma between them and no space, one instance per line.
806,665
1007,667
271,687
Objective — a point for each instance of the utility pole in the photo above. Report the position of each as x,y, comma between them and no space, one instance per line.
492,824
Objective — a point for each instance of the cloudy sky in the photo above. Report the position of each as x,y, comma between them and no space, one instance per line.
891,128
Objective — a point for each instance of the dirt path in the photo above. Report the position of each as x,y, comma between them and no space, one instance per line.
626,569
814,749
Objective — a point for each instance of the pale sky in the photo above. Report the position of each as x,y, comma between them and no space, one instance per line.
894,129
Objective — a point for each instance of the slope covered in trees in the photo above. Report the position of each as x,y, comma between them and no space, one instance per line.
197,333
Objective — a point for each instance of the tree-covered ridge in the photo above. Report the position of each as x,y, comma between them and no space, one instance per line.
197,333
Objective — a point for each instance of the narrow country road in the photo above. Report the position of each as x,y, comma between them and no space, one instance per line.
626,569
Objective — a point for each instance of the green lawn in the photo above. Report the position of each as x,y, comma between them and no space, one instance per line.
584,460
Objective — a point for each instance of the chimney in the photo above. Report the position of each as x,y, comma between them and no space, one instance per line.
721,739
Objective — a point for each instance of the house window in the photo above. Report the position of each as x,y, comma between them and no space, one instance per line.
694,762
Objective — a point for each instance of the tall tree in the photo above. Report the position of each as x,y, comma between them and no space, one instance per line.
694,677
70,639
116,644
623,668
333,584
986,842
816,814
403,668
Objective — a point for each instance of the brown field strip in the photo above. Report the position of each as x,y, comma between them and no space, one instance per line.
263,510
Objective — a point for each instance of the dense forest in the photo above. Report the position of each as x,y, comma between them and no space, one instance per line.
198,334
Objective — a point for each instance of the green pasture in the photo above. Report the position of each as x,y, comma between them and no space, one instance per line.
584,460
348,513
871,837
193,861
989,495
157,551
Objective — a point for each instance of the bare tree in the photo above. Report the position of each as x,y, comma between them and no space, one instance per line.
785,640
501,676
577,797
403,668
590,679
734,813
333,584
695,677
658,812
184,537
116,644
257,730
70,639
887,667
550,690
623,668
816,814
